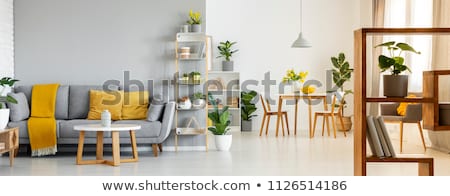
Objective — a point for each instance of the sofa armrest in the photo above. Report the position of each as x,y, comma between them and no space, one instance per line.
167,121
389,109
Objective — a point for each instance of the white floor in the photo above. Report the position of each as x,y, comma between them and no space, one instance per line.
250,155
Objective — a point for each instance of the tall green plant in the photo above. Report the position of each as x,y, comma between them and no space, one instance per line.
342,73
395,61
6,81
225,50
247,105
220,118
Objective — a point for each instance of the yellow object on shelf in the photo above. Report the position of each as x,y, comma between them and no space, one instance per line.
308,89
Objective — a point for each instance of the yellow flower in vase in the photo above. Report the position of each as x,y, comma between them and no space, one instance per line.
295,79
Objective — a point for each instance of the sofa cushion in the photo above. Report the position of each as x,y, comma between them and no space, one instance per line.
135,105
66,128
148,129
62,102
79,100
23,128
156,109
105,100
20,110
26,90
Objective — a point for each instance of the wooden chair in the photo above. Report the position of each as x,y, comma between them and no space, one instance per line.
269,113
330,114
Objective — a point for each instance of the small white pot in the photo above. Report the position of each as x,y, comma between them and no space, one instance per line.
223,142
4,118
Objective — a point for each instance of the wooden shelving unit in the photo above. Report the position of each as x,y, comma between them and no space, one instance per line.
360,99
431,90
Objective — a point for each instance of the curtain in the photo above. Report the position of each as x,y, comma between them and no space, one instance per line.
6,38
441,46
374,88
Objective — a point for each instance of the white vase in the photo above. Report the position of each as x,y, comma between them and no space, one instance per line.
296,86
223,142
4,118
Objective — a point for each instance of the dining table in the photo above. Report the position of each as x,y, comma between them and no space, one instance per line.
296,97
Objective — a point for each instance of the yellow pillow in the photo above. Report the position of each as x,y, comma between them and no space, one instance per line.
105,100
135,105
401,109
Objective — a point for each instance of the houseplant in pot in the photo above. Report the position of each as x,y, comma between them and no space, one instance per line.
198,100
342,74
195,21
220,125
196,77
226,52
5,85
395,85
248,107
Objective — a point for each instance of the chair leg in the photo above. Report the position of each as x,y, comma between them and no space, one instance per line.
328,124
282,124
314,127
267,125
262,125
287,123
421,135
401,136
323,125
334,125
342,125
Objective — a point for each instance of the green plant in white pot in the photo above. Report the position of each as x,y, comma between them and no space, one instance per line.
395,85
221,125
342,74
5,85
226,52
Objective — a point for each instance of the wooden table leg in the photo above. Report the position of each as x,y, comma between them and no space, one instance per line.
115,148
310,117
11,157
295,119
280,103
99,151
134,145
80,148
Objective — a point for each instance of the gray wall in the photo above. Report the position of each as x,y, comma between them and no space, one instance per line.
6,39
91,41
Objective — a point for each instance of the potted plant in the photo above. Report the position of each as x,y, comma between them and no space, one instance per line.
296,80
247,109
198,100
220,125
196,76
185,78
5,86
195,21
342,74
226,52
395,85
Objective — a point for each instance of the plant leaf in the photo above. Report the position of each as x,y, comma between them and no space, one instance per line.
407,47
387,44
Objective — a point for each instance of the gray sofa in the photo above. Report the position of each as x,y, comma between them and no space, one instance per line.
72,107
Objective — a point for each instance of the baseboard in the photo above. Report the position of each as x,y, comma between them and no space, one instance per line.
184,148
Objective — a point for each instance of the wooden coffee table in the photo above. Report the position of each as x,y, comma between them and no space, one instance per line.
9,142
115,129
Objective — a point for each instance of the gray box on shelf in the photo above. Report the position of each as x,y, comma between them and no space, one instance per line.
444,114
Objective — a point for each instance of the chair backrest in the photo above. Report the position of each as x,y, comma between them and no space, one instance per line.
265,104
341,103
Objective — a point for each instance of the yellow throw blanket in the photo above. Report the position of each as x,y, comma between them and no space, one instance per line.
42,123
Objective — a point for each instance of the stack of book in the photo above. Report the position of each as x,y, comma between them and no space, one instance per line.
378,137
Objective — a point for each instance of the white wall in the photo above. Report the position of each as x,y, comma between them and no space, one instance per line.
265,30
6,38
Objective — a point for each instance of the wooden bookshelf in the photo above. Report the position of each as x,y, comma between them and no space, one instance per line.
431,90
361,99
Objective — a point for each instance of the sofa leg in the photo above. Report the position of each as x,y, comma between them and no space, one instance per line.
155,149
160,147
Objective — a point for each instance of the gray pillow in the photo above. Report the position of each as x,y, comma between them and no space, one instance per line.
155,109
21,110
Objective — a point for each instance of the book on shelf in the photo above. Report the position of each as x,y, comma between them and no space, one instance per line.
386,135
378,137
